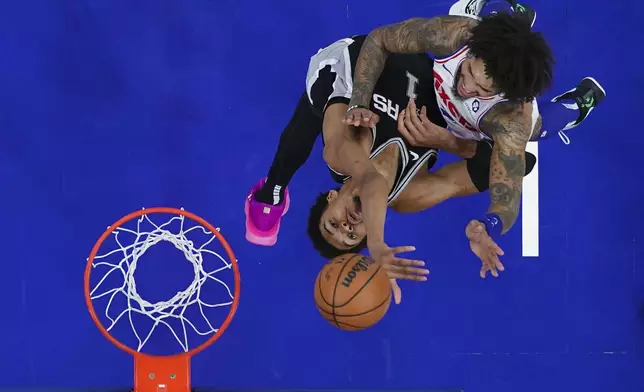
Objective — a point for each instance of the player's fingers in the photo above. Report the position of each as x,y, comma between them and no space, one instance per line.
354,117
412,129
401,122
407,271
396,291
405,132
357,119
402,249
497,249
408,263
495,262
493,246
403,129
489,267
412,105
374,119
348,117
413,114
407,120
366,117
411,266
423,114
406,276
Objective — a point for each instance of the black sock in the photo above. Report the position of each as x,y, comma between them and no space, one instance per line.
271,194
295,146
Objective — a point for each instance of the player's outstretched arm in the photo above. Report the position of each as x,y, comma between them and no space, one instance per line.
373,194
441,36
509,125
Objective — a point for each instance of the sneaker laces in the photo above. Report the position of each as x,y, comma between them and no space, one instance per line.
564,138
519,8
562,135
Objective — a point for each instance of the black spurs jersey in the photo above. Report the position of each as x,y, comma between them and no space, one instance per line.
405,76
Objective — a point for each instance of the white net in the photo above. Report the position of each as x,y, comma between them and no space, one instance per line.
171,314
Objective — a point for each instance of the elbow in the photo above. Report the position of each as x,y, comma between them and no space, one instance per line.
328,155
375,37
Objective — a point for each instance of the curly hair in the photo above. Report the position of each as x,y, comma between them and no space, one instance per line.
518,60
319,243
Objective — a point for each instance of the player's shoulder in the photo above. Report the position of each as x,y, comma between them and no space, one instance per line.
509,109
508,115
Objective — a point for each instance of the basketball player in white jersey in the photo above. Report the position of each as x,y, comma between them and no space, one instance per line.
488,73
269,198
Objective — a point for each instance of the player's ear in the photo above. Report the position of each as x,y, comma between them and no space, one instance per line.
331,195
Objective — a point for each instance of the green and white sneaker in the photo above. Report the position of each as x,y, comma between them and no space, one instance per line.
523,11
471,8
587,95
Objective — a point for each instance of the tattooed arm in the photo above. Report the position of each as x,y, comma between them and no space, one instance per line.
441,36
509,125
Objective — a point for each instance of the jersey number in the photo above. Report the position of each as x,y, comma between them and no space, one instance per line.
391,109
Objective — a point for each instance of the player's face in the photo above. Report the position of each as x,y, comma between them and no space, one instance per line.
471,80
341,223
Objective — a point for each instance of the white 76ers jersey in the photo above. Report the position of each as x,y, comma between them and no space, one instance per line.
462,115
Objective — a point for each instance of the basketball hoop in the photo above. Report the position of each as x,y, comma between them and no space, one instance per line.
162,373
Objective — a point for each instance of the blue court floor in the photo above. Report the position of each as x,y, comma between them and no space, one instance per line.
110,106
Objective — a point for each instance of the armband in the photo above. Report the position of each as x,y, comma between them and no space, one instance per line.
493,225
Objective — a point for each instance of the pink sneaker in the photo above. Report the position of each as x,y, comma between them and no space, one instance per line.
263,220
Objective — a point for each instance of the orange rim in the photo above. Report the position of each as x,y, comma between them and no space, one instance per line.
168,210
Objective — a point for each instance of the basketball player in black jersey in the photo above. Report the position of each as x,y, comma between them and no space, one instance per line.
336,222
376,167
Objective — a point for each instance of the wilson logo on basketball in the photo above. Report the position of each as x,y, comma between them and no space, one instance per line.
362,265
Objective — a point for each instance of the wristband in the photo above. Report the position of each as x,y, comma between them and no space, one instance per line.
357,107
493,225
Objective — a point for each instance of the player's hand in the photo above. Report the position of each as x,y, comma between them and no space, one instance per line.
397,267
420,131
396,291
484,248
360,117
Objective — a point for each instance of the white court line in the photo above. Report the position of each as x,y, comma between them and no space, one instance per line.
530,208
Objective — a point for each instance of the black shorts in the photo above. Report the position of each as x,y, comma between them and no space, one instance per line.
329,78
479,165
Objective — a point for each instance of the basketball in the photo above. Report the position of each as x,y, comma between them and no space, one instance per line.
352,292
